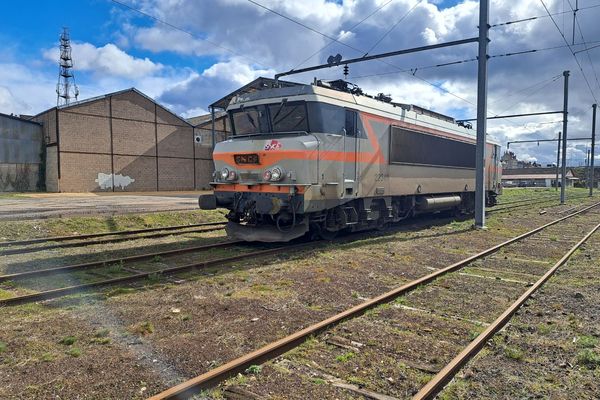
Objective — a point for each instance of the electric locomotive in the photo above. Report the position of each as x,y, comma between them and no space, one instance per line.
326,158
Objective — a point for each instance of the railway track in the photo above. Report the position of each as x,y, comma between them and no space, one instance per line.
135,274
119,260
118,236
528,202
439,381
274,349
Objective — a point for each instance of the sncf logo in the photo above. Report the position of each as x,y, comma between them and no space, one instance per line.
273,145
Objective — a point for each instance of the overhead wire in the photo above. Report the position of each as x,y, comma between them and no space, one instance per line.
540,17
525,89
349,29
360,51
570,50
392,28
531,94
177,28
586,49
411,72
467,60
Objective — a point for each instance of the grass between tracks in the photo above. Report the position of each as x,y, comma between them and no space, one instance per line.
20,230
162,331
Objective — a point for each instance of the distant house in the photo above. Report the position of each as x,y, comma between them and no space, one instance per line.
535,177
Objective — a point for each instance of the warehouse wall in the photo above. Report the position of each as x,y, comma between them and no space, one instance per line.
124,142
20,155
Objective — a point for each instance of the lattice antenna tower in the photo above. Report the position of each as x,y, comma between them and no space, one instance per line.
66,89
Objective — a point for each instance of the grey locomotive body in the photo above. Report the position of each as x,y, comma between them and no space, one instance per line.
313,158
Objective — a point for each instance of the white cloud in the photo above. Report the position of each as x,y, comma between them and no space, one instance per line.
237,71
264,43
107,60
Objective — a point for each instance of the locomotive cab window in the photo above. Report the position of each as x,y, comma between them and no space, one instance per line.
350,125
250,120
289,117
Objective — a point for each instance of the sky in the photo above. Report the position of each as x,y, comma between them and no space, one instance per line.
188,53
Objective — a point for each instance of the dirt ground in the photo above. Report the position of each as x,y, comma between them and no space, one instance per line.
134,341
58,205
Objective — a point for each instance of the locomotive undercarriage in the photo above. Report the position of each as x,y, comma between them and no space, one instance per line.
279,218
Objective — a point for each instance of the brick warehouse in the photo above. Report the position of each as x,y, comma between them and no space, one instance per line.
122,141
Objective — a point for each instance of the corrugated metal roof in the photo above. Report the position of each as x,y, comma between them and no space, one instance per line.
257,84
104,96
195,121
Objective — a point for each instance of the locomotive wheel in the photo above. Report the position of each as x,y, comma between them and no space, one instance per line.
327,235
318,232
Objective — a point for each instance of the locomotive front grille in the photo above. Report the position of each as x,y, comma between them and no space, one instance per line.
250,176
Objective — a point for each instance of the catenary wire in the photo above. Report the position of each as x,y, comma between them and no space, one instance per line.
570,50
349,29
586,49
362,51
539,17
392,28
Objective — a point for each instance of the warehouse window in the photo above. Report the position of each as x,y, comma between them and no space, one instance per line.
411,147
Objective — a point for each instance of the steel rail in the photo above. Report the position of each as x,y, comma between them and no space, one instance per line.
511,207
94,264
439,381
94,235
54,293
109,240
545,197
217,375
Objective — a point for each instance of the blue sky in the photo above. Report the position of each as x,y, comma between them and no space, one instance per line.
115,48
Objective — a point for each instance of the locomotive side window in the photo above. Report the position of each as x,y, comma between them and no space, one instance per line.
326,118
412,147
350,124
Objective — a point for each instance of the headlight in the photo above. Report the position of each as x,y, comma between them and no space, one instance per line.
276,174
267,175
224,173
232,176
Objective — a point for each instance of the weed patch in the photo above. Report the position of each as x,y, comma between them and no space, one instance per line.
144,328
74,352
345,357
68,340
586,342
513,353
588,358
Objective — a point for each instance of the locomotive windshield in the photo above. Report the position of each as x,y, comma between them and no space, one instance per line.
292,116
250,120
270,118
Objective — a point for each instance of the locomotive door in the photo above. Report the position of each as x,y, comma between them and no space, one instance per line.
350,153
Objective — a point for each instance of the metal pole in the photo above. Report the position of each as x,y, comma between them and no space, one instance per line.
557,161
592,150
587,166
212,117
563,180
484,16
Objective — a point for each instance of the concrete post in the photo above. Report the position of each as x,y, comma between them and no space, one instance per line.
592,153
563,180
484,16
557,161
